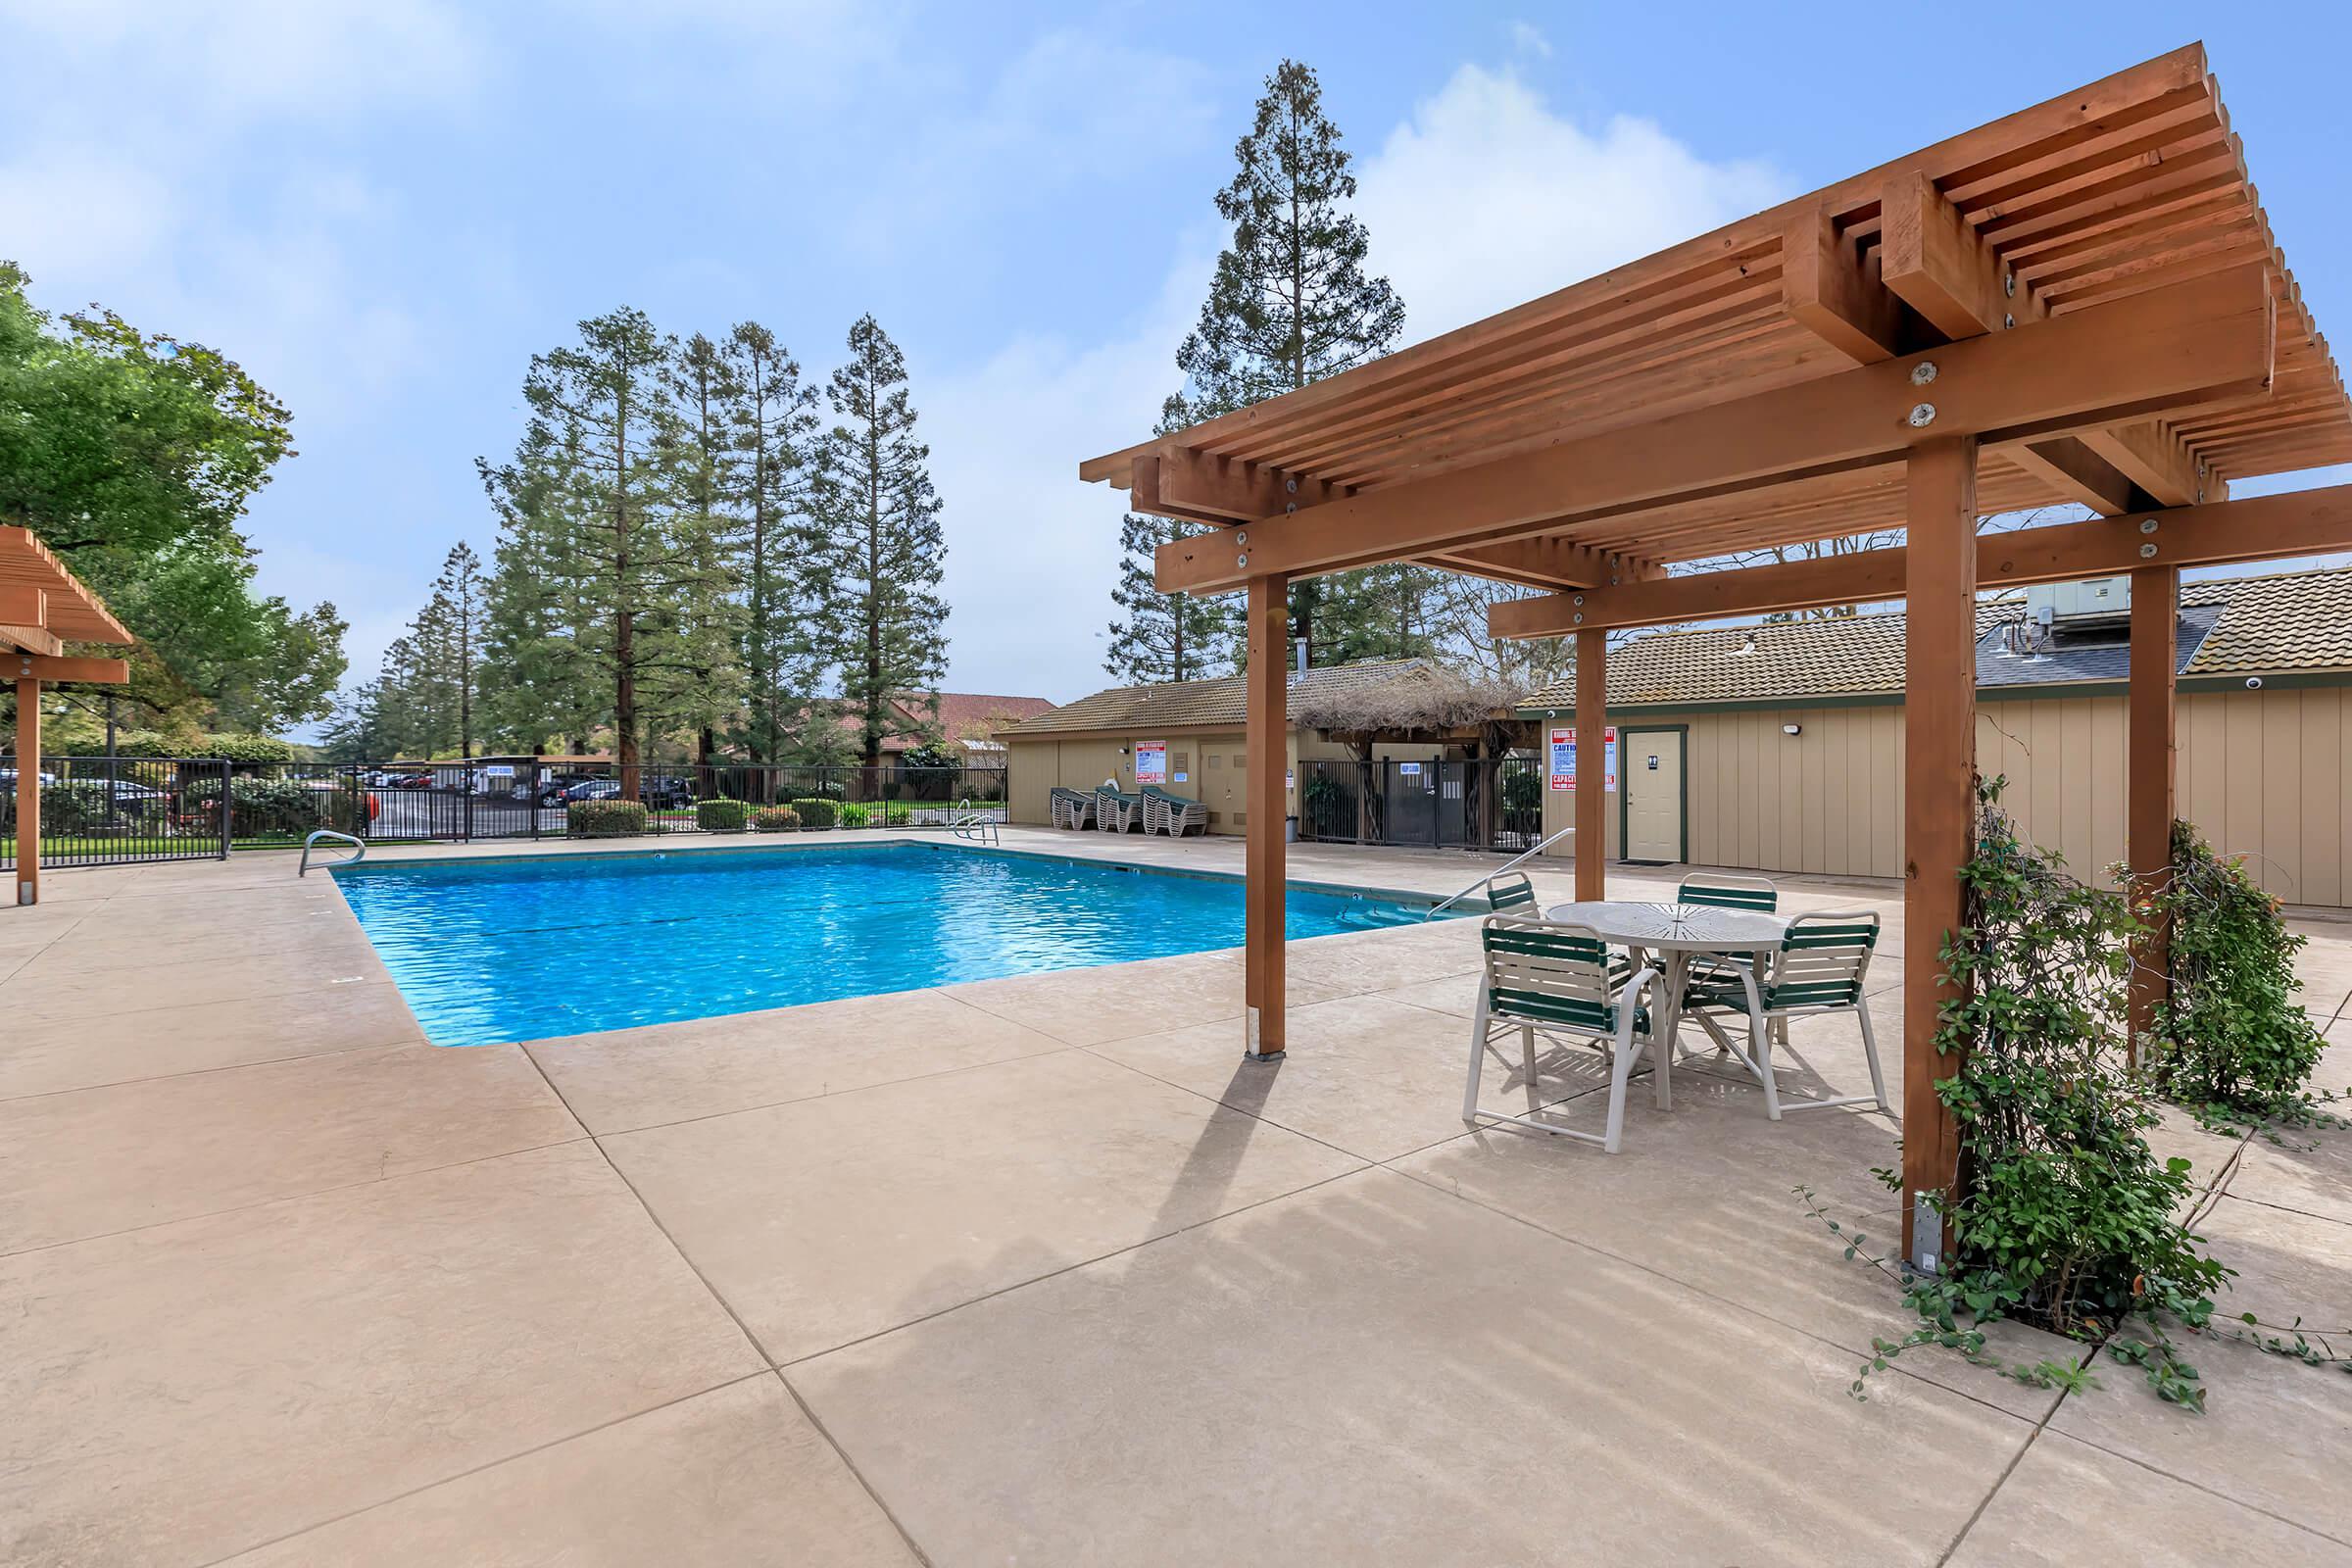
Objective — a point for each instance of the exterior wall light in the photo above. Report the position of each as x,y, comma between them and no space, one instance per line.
1792,729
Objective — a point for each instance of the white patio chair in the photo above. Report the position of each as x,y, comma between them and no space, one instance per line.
1819,968
1732,891
1550,978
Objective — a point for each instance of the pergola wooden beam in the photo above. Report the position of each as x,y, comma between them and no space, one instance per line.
2205,341
2223,533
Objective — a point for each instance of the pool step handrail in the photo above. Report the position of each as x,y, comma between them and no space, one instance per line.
1511,865
979,827
357,844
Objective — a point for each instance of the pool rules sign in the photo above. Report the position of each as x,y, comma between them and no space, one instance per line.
1563,758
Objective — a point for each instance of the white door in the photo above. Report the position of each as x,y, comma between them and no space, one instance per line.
1651,772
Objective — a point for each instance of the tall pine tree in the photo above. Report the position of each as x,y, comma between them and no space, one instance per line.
1289,304
701,682
880,550
601,412
772,423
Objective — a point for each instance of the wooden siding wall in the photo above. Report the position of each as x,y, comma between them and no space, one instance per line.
2263,774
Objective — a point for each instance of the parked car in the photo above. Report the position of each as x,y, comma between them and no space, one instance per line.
592,789
665,793
549,789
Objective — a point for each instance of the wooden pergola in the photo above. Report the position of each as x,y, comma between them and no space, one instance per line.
2081,302
42,608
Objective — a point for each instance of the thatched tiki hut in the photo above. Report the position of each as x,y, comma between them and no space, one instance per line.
1423,703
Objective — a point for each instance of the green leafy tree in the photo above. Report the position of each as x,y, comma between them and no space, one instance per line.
880,550
540,688
1291,302
134,455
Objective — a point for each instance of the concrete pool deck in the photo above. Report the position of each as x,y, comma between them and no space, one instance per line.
1032,1268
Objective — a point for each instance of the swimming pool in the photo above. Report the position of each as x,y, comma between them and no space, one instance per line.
499,950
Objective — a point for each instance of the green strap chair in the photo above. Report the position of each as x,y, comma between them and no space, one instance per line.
1116,811
1172,814
1071,808
1554,978
1513,891
1819,968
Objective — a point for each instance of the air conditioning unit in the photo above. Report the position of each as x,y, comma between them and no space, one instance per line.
2066,604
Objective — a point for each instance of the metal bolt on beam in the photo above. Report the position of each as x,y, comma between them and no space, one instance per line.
1923,414
2147,525
2147,551
1923,372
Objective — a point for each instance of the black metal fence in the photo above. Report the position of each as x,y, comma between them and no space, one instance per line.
1493,802
102,811
121,810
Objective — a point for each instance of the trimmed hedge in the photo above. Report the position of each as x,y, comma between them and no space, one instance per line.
607,819
776,820
719,817
817,814
280,808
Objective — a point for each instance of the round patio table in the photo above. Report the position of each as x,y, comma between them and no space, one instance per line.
1674,932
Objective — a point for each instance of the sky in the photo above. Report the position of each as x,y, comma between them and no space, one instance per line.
382,210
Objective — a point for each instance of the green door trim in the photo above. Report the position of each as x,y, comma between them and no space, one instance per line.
1625,794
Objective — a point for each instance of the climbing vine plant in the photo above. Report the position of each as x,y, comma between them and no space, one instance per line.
2231,1043
2067,1219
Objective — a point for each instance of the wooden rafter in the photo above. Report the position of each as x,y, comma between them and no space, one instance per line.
2207,340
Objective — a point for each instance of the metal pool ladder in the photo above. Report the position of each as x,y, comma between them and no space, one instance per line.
977,828
360,845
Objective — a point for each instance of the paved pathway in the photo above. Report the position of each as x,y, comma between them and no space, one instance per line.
1031,1269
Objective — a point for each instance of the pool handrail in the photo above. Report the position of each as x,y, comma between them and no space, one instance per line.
357,844
978,826
1510,865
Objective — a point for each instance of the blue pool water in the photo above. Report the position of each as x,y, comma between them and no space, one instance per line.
524,949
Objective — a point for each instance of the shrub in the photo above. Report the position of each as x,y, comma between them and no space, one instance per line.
281,808
854,815
2231,1043
607,819
817,814
719,817
898,815
1523,790
776,820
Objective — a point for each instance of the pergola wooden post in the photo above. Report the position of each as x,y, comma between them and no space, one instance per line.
1267,739
29,788
1939,764
41,606
2079,303
1591,764
2149,776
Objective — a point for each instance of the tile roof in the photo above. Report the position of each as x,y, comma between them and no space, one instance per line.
1170,703
958,714
2287,621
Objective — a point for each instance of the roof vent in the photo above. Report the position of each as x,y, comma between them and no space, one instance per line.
2076,604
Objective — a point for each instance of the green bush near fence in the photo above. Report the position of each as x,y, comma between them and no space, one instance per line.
854,815
607,819
1523,790
898,815
776,820
280,808
719,817
817,814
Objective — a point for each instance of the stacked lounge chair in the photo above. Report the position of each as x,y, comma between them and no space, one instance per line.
1172,814
1071,808
1116,811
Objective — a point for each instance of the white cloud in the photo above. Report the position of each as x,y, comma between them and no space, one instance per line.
1032,553
1486,198
1482,200
1528,40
